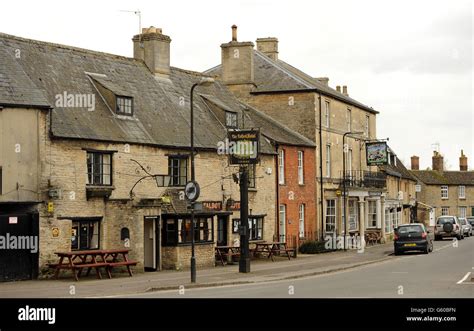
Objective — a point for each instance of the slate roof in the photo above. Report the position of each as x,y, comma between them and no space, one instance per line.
47,70
269,127
16,88
398,170
279,76
433,177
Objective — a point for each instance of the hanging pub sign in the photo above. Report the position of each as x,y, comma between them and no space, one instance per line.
243,146
376,153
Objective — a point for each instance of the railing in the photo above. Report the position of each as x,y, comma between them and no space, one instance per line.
363,178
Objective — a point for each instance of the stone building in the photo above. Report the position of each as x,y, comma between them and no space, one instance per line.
322,114
82,136
399,200
443,192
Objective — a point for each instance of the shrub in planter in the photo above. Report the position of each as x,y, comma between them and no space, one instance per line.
313,247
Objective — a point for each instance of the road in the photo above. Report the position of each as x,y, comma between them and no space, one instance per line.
443,273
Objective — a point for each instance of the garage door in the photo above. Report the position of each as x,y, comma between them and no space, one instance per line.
19,246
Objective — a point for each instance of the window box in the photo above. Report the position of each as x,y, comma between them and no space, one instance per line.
98,191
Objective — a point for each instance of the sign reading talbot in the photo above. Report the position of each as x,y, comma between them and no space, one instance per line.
242,146
376,153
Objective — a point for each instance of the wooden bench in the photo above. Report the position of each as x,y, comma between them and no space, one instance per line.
127,264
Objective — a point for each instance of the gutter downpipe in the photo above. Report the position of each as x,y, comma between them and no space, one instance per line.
321,166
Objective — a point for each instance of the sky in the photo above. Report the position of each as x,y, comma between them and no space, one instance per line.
410,60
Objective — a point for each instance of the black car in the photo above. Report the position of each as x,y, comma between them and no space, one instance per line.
412,237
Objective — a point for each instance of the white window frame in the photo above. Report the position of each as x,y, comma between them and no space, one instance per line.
330,216
301,220
444,211
282,225
327,114
444,192
353,214
463,211
300,167
388,221
462,192
370,224
328,161
281,167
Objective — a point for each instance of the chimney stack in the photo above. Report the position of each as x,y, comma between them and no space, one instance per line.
462,162
324,80
237,61
338,88
415,163
344,90
153,48
438,161
269,47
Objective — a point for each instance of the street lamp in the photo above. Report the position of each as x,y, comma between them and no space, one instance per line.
205,81
344,181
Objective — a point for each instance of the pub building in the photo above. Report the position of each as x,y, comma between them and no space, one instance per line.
111,176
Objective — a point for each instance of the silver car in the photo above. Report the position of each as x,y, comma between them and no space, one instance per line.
448,226
466,227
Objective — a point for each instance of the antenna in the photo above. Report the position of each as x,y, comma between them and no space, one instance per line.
436,145
136,12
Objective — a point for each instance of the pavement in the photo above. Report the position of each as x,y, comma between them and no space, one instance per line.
262,271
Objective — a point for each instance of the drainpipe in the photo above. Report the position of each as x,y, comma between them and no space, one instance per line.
321,167
277,174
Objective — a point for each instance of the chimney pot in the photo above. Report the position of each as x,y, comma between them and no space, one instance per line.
344,90
415,163
463,161
234,32
437,161
338,88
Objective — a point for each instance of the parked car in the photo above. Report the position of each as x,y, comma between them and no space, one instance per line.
466,227
470,219
412,237
448,226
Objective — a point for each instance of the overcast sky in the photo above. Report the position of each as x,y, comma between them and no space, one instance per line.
411,60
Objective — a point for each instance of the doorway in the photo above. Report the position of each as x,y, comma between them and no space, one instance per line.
151,243
21,262
222,228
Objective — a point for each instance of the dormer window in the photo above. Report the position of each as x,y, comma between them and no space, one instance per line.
230,119
124,106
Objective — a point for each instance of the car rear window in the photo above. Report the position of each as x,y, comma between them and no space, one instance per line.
410,228
446,220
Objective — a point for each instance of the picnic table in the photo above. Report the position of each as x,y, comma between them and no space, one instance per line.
223,252
272,249
93,259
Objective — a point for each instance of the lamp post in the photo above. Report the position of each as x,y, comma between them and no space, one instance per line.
204,81
344,181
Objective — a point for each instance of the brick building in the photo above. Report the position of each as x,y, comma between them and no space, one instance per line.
443,192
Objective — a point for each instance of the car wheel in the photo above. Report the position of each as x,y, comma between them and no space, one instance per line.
459,237
397,252
437,238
